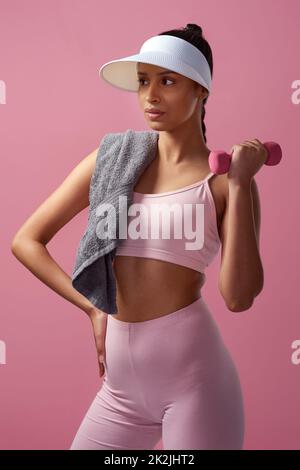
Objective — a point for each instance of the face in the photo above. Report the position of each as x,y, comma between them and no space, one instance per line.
179,97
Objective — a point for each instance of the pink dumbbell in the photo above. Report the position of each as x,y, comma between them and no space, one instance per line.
219,161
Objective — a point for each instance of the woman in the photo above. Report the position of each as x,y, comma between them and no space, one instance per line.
168,372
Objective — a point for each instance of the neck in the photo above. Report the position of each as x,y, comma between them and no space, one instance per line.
177,146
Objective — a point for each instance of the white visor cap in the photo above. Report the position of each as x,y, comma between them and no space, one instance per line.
166,51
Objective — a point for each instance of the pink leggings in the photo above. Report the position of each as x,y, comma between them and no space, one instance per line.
169,378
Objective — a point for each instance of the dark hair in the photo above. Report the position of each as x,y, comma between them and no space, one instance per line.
193,34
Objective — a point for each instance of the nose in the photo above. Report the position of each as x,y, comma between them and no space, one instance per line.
152,92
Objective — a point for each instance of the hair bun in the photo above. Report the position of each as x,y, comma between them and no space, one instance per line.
194,27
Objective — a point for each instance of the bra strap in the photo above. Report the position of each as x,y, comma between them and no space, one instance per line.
209,176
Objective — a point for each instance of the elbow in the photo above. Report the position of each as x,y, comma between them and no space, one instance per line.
14,246
239,306
17,244
240,303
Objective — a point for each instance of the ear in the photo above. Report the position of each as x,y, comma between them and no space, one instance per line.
204,92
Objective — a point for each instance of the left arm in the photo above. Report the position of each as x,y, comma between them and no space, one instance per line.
241,276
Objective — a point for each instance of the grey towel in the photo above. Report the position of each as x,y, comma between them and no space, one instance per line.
121,159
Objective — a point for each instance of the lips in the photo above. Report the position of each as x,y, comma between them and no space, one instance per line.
154,111
155,116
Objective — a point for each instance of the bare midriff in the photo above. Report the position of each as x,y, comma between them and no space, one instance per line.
149,288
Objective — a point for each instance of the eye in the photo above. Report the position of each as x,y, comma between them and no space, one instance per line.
168,79
142,80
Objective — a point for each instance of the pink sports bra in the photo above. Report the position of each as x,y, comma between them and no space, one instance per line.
176,226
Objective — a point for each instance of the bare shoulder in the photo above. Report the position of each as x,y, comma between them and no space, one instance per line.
67,200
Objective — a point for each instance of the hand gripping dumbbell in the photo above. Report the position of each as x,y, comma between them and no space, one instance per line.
219,161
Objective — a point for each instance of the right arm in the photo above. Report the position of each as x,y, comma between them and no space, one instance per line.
29,243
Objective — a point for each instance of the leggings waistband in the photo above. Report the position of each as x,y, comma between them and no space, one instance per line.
169,318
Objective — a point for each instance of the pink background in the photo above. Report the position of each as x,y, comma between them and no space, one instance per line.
57,110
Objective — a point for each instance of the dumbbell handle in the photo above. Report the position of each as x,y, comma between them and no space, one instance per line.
219,161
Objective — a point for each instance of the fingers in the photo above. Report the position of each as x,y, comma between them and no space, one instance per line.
101,360
254,143
251,143
101,370
99,331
